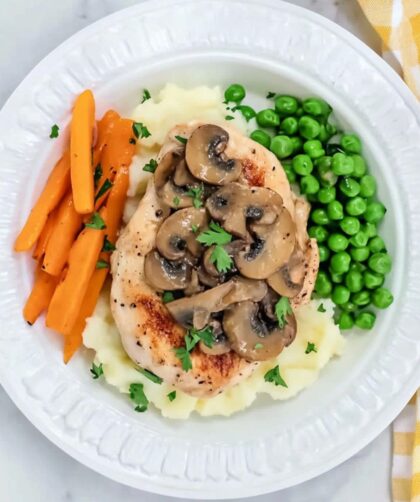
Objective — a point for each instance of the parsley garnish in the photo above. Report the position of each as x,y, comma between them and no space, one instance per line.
171,396
176,200
104,188
151,376
283,308
167,297
96,222
184,356
146,95
270,95
205,334
102,264
54,131
214,235
321,308
273,376
194,228
181,139
96,371
221,258
151,166
258,346
191,339
140,130
229,117
310,348
196,193
138,396
108,246
97,175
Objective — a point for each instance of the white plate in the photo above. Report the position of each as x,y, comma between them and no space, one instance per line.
267,45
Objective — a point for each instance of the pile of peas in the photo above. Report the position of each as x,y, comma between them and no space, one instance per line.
330,171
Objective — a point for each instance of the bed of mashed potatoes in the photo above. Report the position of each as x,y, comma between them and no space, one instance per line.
172,106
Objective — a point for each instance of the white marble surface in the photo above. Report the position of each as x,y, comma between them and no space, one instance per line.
31,468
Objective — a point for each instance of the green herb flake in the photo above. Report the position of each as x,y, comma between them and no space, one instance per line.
229,117
214,235
273,376
146,95
151,376
311,347
96,371
194,228
283,309
140,130
102,264
181,139
54,131
221,259
258,346
172,396
191,339
176,200
270,95
205,334
167,297
151,166
321,308
96,222
107,246
107,184
138,396
196,193
97,175
184,356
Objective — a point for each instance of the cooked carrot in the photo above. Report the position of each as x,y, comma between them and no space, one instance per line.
56,186
42,242
104,128
115,203
81,138
40,296
68,297
62,237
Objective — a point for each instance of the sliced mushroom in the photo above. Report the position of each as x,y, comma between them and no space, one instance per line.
207,279
270,249
176,236
194,286
206,159
164,275
221,344
252,335
234,205
245,289
172,195
232,249
288,280
183,177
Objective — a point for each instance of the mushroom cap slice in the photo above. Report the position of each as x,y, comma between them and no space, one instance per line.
164,275
172,195
176,237
206,159
245,289
271,248
183,177
221,344
288,280
254,337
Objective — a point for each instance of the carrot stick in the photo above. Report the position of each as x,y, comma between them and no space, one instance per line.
56,186
40,296
42,242
116,202
62,237
81,136
105,126
68,297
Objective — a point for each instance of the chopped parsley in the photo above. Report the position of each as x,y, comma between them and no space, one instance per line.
283,309
151,166
273,376
229,117
138,396
194,228
191,339
197,194
108,246
181,139
321,308
140,130
310,348
172,396
107,184
205,334
97,175
184,356
258,346
151,376
96,222
177,201
221,259
54,131
214,235
102,264
270,95
96,371
146,95
167,297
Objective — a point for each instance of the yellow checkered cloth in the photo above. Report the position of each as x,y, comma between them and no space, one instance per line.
397,22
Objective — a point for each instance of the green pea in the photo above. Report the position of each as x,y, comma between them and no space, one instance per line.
359,240
308,127
350,225
340,294
331,129
342,165
291,175
290,125
360,254
324,163
380,263
323,135
374,213
336,278
367,186
351,143
235,93
356,206
268,118
319,233
281,146
382,298
349,307
370,230
337,242
247,112
323,285
302,164
365,320
354,281
361,298
320,216
359,166
357,267
372,279
286,105
349,187
326,195
317,107
309,184
325,174
324,253
376,244
345,320
313,148
299,112
340,262
312,198
297,144
261,137
335,210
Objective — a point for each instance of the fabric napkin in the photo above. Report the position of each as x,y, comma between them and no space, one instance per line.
397,22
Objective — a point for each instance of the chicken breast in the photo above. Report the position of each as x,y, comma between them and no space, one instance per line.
149,334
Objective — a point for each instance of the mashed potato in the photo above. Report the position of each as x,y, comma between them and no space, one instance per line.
173,106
